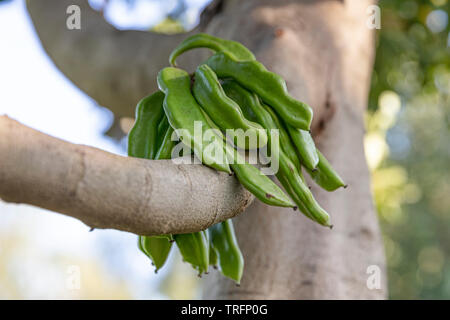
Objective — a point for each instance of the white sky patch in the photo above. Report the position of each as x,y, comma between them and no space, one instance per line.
437,21
138,15
144,14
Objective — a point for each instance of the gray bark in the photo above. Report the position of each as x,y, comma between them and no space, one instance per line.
325,52
105,190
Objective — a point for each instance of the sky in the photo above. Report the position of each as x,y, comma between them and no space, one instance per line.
143,14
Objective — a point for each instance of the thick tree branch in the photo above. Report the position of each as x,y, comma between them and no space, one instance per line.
109,191
116,68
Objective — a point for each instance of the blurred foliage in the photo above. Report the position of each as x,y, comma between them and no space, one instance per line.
408,145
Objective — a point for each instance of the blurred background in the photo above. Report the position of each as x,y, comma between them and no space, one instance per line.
407,147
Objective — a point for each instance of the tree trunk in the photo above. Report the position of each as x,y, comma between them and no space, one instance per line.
325,51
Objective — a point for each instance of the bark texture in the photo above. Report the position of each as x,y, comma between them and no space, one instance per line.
324,50
109,191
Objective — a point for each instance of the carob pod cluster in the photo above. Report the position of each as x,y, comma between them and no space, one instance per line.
230,90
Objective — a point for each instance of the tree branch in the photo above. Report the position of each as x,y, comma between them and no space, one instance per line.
116,68
109,191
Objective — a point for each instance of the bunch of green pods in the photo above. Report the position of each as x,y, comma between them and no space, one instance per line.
231,90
